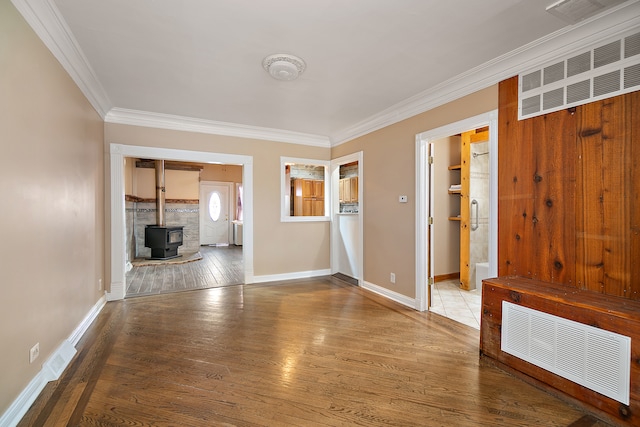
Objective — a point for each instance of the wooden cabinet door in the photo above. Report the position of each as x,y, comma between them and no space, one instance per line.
308,197
353,187
307,206
347,190
307,188
317,207
318,189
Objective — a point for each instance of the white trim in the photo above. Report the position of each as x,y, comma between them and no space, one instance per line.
422,213
47,22
51,369
611,23
189,124
285,196
118,152
422,191
87,321
23,402
291,276
394,296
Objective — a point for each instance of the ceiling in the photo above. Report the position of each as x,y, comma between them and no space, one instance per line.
202,59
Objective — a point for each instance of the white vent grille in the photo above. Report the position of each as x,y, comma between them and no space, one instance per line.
591,357
609,69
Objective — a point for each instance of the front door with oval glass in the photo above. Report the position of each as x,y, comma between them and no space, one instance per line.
214,214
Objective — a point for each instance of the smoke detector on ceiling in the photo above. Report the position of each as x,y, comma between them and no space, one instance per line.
284,67
573,11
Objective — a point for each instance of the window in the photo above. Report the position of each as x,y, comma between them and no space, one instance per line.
305,192
215,206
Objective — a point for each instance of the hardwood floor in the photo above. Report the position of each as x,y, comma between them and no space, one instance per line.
219,266
315,352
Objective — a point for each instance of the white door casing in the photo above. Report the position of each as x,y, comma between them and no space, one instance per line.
347,236
423,183
117,153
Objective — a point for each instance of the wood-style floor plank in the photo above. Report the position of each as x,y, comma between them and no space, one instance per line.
312,352
219,266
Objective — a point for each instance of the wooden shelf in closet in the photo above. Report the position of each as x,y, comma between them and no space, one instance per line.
455,218
455,191
454,167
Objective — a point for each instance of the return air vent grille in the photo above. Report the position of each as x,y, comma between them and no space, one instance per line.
592,357
609,69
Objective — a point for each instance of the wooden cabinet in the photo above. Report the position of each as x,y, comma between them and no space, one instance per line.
308,197
349,190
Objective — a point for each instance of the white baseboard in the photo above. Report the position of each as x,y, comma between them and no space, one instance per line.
87,321
117,291
51,370
290,276
387,293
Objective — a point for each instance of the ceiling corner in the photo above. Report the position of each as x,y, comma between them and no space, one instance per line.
46,21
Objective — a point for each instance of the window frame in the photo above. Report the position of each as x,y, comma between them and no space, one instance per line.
285,185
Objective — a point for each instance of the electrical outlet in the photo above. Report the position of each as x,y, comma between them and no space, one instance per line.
34,352
99,284
402,199
392,278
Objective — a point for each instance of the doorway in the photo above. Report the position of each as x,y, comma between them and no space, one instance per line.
216,210
347,251
117,221
426,245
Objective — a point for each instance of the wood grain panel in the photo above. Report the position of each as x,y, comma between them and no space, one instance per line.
536,192
465,210
552,221
568,194
605,190
515,186
632,115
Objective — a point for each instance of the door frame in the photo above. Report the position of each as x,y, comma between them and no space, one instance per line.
423,195
117,226
230,205
335,210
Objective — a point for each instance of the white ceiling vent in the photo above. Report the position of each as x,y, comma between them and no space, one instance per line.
573,11
609,69
594,358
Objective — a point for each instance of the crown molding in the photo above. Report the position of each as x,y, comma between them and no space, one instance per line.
45,20
611,23
189,124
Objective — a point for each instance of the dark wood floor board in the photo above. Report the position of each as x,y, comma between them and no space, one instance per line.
312,352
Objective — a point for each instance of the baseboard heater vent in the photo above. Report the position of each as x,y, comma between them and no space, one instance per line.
592,357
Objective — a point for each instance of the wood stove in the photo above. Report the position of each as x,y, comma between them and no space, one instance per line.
163,240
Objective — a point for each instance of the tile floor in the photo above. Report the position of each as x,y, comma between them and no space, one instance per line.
450,301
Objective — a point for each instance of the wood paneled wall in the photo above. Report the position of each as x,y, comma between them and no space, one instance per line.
569,194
